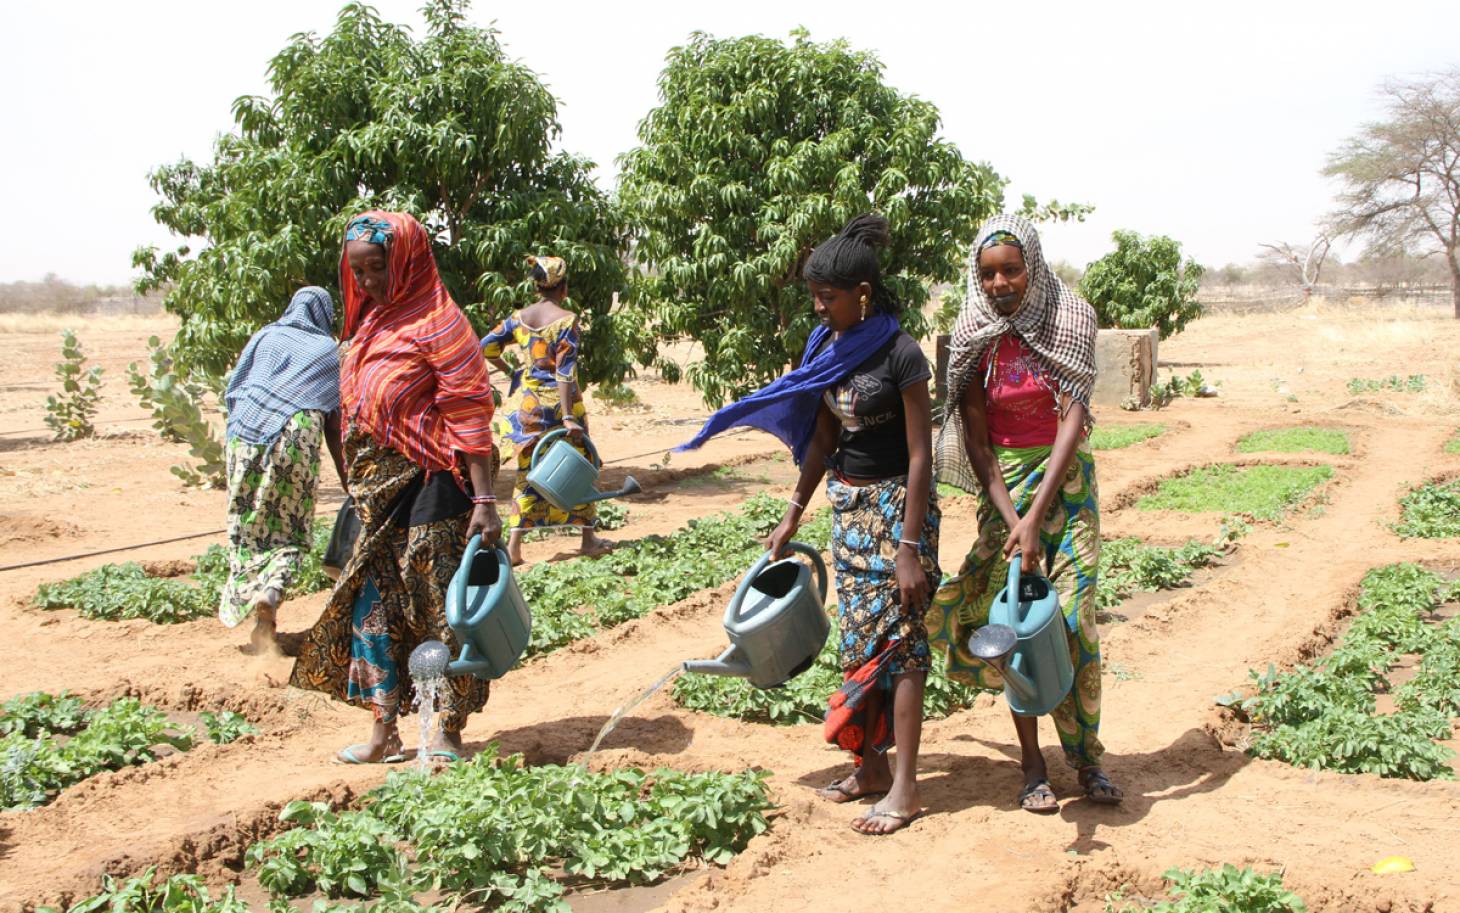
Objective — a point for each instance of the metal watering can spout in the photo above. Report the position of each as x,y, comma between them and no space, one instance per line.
733,663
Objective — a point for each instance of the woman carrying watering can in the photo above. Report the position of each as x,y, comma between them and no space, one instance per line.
418,450
539,400
1019,378
858,407
283,398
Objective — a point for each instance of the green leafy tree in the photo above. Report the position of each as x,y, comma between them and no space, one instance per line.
1143,283
1401,175
758,151
447,128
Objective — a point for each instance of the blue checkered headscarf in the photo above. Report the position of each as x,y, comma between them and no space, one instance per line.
289,366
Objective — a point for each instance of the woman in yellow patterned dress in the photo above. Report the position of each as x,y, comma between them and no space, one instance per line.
548,335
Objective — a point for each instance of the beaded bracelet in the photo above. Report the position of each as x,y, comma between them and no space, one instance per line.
484,499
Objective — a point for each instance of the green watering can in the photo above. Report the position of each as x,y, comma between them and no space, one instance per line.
488,615
776,622
561,474
1025,640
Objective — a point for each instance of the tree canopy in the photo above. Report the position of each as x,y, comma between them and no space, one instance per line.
1143,283
759,150
446,127
1401,175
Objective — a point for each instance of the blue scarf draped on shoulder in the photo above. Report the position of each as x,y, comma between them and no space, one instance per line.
787,406
289,366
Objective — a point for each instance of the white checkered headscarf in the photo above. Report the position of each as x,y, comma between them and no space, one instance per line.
1057,324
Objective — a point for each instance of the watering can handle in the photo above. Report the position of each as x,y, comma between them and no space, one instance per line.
540,447
456,609
1013,585
733,609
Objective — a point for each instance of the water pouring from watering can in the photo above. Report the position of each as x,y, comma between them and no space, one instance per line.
776,622
1025,640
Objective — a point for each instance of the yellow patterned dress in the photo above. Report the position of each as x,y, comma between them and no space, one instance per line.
532,409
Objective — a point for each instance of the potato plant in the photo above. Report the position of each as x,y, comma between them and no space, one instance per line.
1431,511
114,592
34,765
1225,890
496,831
1323,715
572,599
804,698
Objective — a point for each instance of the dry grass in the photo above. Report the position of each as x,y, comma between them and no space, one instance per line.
16,323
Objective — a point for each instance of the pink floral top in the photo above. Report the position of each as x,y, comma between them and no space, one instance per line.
1020,405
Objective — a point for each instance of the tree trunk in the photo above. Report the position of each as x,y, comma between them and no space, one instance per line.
1455,288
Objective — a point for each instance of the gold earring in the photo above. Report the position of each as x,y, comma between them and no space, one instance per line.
864,307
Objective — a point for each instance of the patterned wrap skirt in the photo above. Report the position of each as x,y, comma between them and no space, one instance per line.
271,491
879,637
1070,534
389,598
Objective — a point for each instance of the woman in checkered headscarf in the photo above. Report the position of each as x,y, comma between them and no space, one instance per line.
1015,429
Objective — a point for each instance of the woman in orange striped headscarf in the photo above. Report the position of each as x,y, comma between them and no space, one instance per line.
417,407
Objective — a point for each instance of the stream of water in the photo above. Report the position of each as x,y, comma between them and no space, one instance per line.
427,692
628,707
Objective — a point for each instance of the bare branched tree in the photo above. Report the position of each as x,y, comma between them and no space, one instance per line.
1305,267
1401,175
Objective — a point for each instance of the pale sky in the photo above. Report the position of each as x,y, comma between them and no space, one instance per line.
1206,122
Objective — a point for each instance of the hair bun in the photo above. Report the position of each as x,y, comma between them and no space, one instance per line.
870,229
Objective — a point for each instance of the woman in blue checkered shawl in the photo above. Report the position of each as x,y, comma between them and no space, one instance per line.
283,399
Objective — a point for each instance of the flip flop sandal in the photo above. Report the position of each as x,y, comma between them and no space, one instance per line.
836,787
347,756
444,753
1042,790
904,821
1098,781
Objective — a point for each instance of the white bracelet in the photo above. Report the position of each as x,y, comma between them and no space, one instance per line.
911,542
797,504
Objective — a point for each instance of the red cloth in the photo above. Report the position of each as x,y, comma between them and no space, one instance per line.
1021,408
846,725
414,377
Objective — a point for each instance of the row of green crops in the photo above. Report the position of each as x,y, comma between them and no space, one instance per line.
1300,439
120,591
1324,715
488,833
1224,890
1128,566
52,741
1431,511
803,698
1117,437
1261,492
573,599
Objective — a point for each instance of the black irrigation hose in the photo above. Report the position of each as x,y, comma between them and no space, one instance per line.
218,532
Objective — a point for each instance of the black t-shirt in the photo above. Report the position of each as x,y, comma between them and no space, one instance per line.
873,442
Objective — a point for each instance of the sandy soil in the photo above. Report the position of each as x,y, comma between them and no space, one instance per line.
1193,798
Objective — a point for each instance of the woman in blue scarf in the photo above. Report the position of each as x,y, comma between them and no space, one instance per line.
283,398
858,408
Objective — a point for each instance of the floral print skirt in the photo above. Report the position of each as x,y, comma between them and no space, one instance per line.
271,491
1070,534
